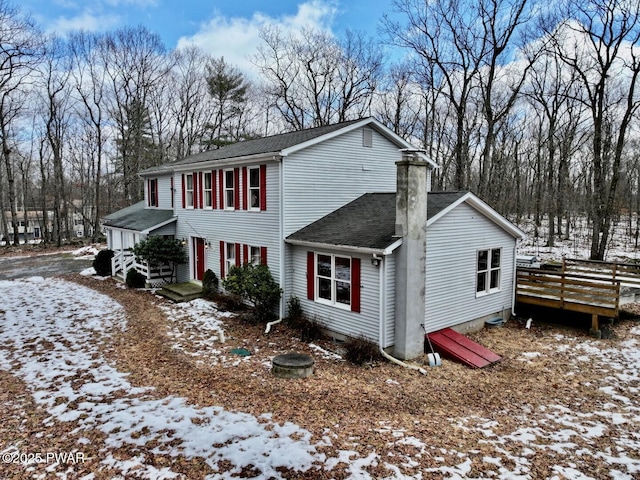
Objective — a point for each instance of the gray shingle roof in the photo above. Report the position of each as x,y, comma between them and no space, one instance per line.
274,143
137,218
367,222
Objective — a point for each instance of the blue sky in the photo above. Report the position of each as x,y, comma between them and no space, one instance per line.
226,28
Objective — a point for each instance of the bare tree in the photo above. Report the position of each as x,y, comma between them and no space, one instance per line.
599,41
450,50
19,52
312,79
499,86
400,102
56,102
136,63
90,83
551,91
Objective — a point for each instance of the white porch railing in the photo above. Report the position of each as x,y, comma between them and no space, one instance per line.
156,275
121,263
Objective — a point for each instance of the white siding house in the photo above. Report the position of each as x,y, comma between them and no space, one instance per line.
301,202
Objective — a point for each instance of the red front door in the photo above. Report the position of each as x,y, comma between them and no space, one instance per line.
198,258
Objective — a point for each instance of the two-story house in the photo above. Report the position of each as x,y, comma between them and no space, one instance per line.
342,217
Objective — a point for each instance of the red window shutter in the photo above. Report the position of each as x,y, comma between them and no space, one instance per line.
157,197
221,189
263,187
355,285
311,274
237,254
245,254
244,188
263,255
201,189
222,259
236,188
172,191
214,198
148,192
184,196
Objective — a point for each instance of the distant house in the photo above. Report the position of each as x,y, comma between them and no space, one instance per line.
32,228
342,217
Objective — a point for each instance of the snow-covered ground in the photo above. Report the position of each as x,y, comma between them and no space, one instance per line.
51,333
621,247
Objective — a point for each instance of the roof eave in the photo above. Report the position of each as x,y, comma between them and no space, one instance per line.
486,210
344,248
159,225
216,163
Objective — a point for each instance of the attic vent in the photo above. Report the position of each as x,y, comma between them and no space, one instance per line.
367,137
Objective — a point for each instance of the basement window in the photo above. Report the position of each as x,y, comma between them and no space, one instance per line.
488,271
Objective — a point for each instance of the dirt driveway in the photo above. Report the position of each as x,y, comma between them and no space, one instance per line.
48,265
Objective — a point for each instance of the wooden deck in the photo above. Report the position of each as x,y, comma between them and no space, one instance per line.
594,295
628,274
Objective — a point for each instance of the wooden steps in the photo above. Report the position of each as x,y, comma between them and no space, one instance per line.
181,292
451,344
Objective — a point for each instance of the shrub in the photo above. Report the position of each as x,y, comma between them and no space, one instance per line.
210,284
102,263
255,285
157,250
361,351
309,329
135,279
294,310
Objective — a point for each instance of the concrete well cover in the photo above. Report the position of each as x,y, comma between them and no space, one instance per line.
292,365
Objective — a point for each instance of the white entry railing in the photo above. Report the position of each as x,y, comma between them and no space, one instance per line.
156,275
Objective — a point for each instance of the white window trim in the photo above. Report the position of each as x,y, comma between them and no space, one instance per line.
252,257
333,302
205,190
187,190
488,290
153,188
229,261
228,188
249,188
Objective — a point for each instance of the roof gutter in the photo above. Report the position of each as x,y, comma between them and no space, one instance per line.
347,248
217,163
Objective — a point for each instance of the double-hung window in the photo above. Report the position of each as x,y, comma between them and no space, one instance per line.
207,190
488,271
229,192
230,256
333,280
188,190
254,188
153,192
255,255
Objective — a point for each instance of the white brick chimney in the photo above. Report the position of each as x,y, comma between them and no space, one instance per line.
411,226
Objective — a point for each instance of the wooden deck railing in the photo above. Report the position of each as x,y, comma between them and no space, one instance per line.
627,273
596,295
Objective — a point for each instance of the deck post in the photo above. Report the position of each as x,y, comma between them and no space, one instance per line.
595,330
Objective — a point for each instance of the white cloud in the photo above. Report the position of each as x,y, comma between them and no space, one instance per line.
237,38
85,21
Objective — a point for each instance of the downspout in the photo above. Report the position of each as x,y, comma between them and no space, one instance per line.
382,316
515,279
281,239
